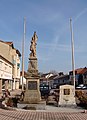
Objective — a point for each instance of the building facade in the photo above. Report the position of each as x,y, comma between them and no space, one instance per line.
16,69
58,80
80,76
54,80
6,79
10,57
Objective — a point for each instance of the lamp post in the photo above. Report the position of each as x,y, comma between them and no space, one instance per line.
73,61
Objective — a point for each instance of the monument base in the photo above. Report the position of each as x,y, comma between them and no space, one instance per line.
32,92
32,97
40,106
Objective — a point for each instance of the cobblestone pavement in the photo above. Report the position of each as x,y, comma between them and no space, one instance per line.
40,115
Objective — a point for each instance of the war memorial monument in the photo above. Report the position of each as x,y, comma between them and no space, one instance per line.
32,93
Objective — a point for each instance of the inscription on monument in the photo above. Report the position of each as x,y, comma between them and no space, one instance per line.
32,85
66,91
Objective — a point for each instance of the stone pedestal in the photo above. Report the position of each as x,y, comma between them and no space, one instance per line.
66,96
32,93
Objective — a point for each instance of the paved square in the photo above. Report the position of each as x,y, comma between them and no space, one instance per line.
38,115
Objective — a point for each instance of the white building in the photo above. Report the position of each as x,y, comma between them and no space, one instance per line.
11,58
5,74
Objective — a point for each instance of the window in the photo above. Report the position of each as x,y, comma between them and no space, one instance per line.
18,65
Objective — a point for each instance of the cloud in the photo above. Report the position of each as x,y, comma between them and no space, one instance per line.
80,14
55,46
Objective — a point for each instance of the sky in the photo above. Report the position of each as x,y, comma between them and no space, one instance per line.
51,21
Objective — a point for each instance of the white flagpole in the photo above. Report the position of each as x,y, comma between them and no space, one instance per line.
73,62
23,43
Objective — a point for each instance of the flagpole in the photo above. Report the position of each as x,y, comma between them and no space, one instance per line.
23,43
73,62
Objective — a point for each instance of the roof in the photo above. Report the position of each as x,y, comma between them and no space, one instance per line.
52,77
46,75
9,43
80,70
62,76
83,70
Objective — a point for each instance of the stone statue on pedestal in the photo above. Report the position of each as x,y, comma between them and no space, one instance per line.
32,93
33,45
32,68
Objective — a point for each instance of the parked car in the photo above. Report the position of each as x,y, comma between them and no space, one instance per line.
81,86
44,89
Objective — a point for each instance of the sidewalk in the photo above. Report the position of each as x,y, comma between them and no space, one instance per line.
49,108
64,109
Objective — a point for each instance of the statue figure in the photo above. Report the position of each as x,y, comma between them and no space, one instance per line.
33,45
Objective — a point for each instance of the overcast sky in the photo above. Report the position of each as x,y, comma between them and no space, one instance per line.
51,21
